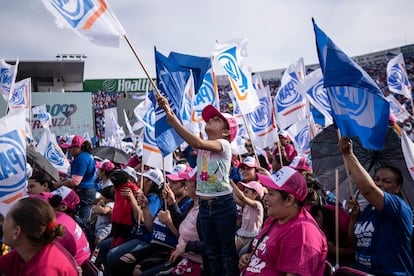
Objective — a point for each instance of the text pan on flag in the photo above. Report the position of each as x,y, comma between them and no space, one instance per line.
171,81
232,56
91,19
358,106
13,158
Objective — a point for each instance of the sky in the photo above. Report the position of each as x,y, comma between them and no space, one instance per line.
278,31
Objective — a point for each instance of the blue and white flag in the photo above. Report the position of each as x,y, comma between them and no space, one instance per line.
289,104
317,96
207,94
13,158
48,147
397,78
21,95
151,153
261,121
187,107
232,55
40,113
8,74
171,81
144,112
396,109
301,134
359,108
91,19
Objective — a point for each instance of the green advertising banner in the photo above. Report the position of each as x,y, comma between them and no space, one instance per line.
117,85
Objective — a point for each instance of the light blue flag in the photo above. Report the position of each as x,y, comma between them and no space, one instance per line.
171,81
359,107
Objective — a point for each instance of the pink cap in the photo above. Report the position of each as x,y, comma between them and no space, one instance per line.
69,197
210,111
77,141
105,165
288,180
300,163
250,162
175,174
255,186
191,175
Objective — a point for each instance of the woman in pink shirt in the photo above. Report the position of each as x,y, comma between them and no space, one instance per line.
30,228
290,242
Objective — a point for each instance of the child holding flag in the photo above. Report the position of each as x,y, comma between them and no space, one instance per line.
218,212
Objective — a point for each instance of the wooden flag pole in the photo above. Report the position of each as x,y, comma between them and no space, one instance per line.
348,175
142,66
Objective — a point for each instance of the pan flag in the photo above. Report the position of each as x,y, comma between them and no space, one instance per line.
359,108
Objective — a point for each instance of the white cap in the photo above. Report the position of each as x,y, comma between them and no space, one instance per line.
155,175
131,172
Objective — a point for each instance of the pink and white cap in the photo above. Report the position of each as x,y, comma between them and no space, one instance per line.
286,179
210,111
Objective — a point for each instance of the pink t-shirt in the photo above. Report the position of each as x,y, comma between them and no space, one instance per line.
298,247
74,240
50,260
252,221
188,232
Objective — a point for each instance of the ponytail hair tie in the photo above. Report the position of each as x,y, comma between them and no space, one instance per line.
51,226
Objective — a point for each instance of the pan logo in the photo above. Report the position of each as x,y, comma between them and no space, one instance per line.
396,78
54,156
12,164
353,102
149,136
302,139
288,95
260,119
17,97
320,95
73,11
229,62
6,79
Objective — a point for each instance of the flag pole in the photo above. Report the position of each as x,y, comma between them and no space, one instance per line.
348,175
142,65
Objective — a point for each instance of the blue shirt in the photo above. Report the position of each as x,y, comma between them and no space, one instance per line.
384,238
84,165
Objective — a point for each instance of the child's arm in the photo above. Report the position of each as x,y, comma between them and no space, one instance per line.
193,140
242,198
237,194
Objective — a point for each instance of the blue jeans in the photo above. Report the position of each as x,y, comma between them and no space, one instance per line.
218,219
84,208
109,255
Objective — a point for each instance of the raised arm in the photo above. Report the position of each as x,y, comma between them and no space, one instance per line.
193,140
366,185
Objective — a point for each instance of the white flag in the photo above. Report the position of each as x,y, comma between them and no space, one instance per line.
91,19
49,148
397,109
397,78
232,55
408,151
129,127
13,164
8,74
289,104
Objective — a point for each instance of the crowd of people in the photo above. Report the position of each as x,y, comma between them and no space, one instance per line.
216,213
228,215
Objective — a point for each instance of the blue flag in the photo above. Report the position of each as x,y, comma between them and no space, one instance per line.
359,108
171,81
199,66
